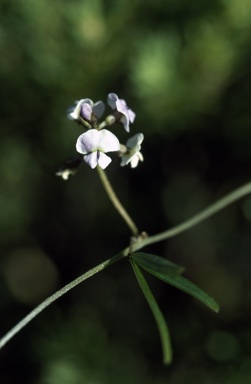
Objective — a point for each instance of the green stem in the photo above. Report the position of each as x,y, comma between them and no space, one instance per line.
117,204
9,335
198,218
205,214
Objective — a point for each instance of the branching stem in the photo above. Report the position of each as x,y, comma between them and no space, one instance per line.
135,246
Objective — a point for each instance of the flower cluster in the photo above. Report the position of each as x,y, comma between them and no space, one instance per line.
97,140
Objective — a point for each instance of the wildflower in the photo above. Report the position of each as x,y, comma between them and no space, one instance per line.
70,167
132,153
93,144
125,115
86,110
65,173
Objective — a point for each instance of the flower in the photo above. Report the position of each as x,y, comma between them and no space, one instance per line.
133,154
93,144
126,115
85,109
65,173
70,167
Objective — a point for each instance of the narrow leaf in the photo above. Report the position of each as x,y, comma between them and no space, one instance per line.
156,263
159,318
185,285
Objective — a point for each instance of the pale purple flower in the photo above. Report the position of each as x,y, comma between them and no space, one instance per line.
127,115
93,144
133,155
85,108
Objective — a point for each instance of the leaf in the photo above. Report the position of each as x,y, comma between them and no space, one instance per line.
184,285
156,263
159,318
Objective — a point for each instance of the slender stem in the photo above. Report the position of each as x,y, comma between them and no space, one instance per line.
196,219
117,204
135,246
9,335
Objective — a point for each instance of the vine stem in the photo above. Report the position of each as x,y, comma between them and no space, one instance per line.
9,335
198,218
115,201
135,246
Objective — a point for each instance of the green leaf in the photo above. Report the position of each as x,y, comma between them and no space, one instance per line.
156,263
184,285
159,318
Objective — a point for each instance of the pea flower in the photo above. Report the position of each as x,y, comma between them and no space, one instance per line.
132,154
125,114
93,144
70,167
87,110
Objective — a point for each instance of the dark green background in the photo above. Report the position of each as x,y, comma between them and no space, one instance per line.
184,68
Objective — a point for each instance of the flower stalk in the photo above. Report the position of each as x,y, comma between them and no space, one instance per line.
115,201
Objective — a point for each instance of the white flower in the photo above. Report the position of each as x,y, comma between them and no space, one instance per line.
133,154
70,167
85,108
93,144
126,115
66,173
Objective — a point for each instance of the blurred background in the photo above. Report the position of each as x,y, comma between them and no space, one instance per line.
184,68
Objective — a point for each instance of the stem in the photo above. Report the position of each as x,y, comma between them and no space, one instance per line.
198,218
115,201
205,214
9,335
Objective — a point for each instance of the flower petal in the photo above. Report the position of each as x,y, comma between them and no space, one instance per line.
85,111
135,141
128,116
108,142
111,100
134,160
85,108
131,159
103,160
122,108
74,112
125,122
125,159
98,108
65,173
88,141
91,159
133,154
